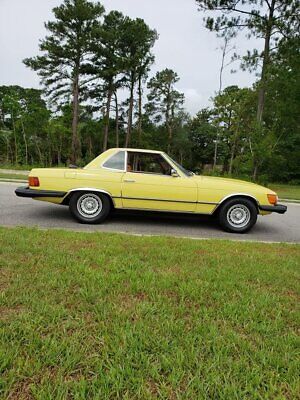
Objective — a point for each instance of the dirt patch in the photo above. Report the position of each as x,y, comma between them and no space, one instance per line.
5,279
152,388
291,294
129,300
21,391
8,313
76,245
202,252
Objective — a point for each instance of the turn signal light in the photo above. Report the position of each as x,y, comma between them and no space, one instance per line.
272,198
33,181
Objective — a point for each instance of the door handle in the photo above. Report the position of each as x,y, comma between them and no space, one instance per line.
129,180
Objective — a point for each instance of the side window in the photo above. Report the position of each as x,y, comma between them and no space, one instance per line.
117,161
148,163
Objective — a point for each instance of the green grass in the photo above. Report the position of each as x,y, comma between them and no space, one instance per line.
13,176
108,316
20,167
286,191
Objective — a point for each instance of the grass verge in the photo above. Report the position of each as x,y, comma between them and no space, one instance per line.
13,176
286,191
108,316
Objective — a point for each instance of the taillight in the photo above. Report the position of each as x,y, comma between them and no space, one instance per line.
33,181
272,198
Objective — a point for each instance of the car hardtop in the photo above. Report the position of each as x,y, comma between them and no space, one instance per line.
94,164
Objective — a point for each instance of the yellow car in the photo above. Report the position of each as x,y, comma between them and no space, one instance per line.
149,180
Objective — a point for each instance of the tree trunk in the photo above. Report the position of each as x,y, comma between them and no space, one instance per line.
263,80
168,124
266,60
222,65
255,171
59,150
7,149
130,114
140,110
220,90
39,152
15,137
216,152
117,119
59,155
232,158
25,142
75,140
106,119
90,146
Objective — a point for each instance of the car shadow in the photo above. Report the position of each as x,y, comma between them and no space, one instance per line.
130,217
146,222
162,218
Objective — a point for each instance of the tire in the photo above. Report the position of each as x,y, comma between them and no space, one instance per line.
238,215
89,207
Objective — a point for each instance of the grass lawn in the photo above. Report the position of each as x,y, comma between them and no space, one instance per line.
108,316
13,176
286,191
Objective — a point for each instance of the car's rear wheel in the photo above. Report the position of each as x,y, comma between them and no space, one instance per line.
238,215
89,207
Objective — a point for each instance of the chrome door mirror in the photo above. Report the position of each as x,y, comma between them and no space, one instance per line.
174,173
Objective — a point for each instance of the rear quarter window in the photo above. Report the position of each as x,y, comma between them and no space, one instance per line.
116,162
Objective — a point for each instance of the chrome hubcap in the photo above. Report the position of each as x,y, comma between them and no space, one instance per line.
89,205
238,216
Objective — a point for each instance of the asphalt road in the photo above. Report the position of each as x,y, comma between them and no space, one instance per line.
16,211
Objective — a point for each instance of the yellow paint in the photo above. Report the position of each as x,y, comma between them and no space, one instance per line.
196,194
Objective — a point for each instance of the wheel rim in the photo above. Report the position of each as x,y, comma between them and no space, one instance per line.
89,205
238,216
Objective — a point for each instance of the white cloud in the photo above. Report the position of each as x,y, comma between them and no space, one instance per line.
194,101
184,44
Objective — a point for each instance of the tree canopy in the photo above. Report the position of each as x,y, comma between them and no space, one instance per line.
101,90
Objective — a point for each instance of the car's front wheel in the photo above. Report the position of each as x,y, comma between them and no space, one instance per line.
89,208
238,215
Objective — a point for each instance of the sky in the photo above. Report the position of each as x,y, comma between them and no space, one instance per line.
184,44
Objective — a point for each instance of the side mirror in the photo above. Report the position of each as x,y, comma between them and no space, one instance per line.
174,173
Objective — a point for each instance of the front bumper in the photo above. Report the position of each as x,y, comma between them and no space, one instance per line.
278,208
25,191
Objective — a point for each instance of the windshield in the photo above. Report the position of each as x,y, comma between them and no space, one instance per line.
180,167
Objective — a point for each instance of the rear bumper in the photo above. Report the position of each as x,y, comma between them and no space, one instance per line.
278,208
27,192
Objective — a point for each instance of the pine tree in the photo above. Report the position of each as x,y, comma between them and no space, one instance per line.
164,101
107,65
137,40
270,20
65,52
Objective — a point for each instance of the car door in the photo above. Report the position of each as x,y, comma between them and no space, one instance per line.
148,184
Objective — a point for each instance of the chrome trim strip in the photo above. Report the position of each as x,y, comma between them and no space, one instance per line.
166,200
238,194
162,200
93,190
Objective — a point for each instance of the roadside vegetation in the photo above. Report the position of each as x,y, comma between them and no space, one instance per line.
173,319
91,58
12,176
286,191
